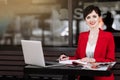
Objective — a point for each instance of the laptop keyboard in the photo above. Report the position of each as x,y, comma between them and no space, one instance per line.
50,63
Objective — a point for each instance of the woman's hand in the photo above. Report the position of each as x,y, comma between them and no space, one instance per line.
63,57
86,59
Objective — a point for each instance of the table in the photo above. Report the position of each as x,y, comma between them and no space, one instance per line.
70,70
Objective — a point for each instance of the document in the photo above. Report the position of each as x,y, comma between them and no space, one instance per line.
102,66
72,61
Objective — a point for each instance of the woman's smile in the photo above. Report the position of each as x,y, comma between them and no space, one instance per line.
92,22
92,19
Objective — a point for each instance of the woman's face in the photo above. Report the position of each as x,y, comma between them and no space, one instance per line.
92,19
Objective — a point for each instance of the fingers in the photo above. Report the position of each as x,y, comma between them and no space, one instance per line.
63,57
88,59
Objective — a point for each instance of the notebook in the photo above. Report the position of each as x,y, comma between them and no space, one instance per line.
33,54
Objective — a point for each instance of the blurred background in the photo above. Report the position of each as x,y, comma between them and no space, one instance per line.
54,22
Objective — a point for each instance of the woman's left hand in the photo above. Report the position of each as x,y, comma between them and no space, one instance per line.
86,59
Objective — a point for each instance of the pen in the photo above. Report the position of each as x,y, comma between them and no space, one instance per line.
62,57
58,59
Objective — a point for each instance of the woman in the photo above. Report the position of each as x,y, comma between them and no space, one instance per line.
94,45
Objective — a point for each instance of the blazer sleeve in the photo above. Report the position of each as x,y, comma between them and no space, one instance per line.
77,50
110,52
80,51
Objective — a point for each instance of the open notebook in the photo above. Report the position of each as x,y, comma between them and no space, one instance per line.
33,54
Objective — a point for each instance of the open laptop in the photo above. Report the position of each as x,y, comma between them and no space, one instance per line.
33,54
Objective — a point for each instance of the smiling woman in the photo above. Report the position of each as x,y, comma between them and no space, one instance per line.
94,45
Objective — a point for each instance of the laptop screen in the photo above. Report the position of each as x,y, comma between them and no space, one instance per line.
33,52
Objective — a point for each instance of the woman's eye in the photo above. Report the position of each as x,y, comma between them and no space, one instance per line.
94,16
88,17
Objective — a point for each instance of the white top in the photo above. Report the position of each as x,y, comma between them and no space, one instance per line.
90,50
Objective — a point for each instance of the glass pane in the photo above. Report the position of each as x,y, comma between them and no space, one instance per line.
78,22
45,20
110,15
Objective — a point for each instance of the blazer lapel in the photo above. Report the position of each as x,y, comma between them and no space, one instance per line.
85,40
99,42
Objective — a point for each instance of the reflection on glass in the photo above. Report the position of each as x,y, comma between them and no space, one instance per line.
47,20
34,20
110,15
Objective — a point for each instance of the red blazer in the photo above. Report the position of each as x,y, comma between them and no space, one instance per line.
104,50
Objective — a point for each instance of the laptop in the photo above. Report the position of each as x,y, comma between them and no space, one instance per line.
33,54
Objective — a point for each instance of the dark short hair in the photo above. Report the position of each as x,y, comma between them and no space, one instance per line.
89,9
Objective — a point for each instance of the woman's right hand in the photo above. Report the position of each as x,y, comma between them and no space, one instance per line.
86,59
63,57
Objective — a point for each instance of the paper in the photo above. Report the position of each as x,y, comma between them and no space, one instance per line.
101,66
89,67
71,62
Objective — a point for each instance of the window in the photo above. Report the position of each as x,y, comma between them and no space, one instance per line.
34,20
54,22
